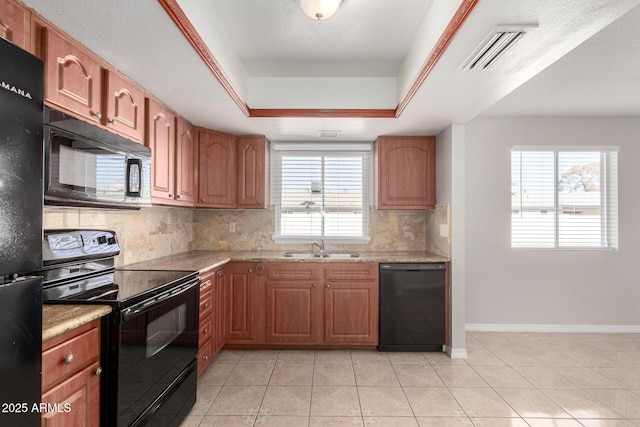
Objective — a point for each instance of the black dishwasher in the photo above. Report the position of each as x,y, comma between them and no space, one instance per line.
412,307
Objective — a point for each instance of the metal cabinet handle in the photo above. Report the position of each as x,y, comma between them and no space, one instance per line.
170,195
206,305
251,270
220,274
205,357
257,202
112,121
313,285
203,200
384,202
98,115
178,196
98,371
328,285
206,331
68,359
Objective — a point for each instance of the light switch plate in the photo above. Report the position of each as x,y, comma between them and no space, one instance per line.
444,230
232,227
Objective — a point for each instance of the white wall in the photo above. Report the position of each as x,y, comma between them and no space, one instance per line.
450,179
547,290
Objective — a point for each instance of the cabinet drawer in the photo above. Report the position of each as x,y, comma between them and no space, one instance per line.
292,272
69,357
205,355
352,271
206,283
206,304
206,329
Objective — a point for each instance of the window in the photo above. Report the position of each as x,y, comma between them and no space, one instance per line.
564,198
321,191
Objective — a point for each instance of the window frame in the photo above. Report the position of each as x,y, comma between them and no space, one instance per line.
608,197
352,149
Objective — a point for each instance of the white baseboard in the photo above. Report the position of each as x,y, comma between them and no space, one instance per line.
457,353
511,327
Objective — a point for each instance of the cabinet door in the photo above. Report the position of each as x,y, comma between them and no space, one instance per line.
292,312
81,395
351,312
216,169
125,106
15,24
73,77
185,162
406,172
239,301
161,140
251,172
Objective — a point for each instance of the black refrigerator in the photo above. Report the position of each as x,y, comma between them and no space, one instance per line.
21,200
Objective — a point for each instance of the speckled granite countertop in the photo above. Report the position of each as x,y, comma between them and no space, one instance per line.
60,318
203,261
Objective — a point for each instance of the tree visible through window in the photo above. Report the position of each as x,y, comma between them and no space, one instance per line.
564,199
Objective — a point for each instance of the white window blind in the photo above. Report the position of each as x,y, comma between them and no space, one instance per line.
321,193
564,198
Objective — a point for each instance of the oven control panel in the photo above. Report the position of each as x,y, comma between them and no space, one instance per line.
59,246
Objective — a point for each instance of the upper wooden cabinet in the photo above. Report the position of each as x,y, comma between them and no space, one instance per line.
253,155
161,138
73,76
124,106
406,172
216,169
80,83
185,191
15,24
232,170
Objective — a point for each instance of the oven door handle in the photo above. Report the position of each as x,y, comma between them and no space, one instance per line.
151,303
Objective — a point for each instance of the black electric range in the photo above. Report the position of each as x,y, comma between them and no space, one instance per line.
150,343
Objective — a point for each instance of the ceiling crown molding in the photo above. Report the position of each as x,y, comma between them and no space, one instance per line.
178,16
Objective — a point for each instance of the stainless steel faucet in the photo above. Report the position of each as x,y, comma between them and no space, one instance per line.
319,245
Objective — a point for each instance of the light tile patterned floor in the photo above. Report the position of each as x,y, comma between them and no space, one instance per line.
509,379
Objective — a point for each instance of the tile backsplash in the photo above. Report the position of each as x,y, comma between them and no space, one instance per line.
144,234
158,231
252,229
439,230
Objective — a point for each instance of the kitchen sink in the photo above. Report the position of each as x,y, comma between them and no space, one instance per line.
308,255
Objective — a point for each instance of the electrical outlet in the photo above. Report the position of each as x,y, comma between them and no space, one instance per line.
444,230
232,227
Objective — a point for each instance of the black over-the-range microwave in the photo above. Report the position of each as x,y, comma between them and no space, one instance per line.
89,166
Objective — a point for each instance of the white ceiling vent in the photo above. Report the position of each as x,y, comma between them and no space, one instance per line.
494,45
329,133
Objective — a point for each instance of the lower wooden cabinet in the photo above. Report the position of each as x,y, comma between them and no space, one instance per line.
239,295
322,304
211,331
71,377
287,303
351,312
292,303
220,314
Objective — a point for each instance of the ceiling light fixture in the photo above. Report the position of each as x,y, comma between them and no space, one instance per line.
319,9
494,45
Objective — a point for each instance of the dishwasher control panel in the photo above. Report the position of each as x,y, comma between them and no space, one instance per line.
410,267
